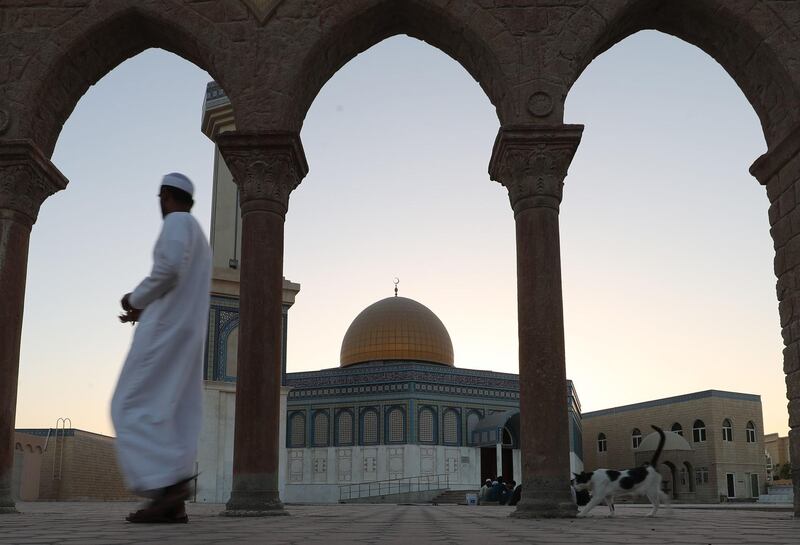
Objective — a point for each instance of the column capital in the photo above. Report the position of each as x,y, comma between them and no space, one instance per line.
769,165
27,178
267,167
531,161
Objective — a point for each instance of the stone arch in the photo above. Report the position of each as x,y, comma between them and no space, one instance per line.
745,43
671,479
466,38
81,54
690,470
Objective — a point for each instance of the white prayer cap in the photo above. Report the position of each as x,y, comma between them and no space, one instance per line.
181,181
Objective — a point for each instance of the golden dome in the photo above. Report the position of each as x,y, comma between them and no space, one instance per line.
396,328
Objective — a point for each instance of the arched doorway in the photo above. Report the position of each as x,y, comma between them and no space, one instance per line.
669,479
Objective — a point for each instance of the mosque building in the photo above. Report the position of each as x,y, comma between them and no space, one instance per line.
395,409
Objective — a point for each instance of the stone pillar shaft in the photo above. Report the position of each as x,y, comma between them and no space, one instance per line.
14,237
266,167
532,163
27,178
779,171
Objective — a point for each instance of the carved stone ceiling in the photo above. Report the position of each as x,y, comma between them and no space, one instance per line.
262,9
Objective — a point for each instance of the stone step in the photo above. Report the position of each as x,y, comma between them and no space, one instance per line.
453,497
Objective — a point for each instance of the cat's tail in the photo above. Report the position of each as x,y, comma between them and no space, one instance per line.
661,440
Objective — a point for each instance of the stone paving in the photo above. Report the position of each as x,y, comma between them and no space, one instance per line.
102,523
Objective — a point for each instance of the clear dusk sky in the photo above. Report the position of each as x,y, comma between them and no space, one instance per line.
666,255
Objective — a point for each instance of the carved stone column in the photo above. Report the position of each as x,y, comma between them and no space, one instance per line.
779,171
266,167
27,178
531,162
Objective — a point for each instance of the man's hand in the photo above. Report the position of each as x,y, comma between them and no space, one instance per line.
131,314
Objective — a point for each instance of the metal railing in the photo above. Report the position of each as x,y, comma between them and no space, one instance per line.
58,455
419,483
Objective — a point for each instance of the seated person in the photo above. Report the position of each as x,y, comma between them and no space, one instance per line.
497,489
516,494
505,493
484,493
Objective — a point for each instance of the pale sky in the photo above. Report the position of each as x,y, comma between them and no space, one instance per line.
666,254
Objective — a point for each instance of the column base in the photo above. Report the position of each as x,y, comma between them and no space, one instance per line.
254,504
545,510
7,506
545,502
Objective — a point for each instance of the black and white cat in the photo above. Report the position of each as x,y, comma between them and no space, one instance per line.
605,484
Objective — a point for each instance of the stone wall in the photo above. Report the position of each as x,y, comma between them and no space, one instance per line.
87,471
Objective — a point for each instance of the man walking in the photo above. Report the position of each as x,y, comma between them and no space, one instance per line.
157,406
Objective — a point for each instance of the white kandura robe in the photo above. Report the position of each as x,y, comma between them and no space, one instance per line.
157,406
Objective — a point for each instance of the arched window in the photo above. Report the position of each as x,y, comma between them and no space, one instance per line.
344,428
677,428
450,423
297,430
369,427
699,431
727,431
18,446
397,425
472,422
636,438
321,422
426,428
751,432
602,445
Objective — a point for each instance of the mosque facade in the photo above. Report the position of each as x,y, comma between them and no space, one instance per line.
395,410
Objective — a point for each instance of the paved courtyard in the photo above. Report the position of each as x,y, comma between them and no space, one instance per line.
102,523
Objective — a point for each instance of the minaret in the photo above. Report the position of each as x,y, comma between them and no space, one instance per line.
226,222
